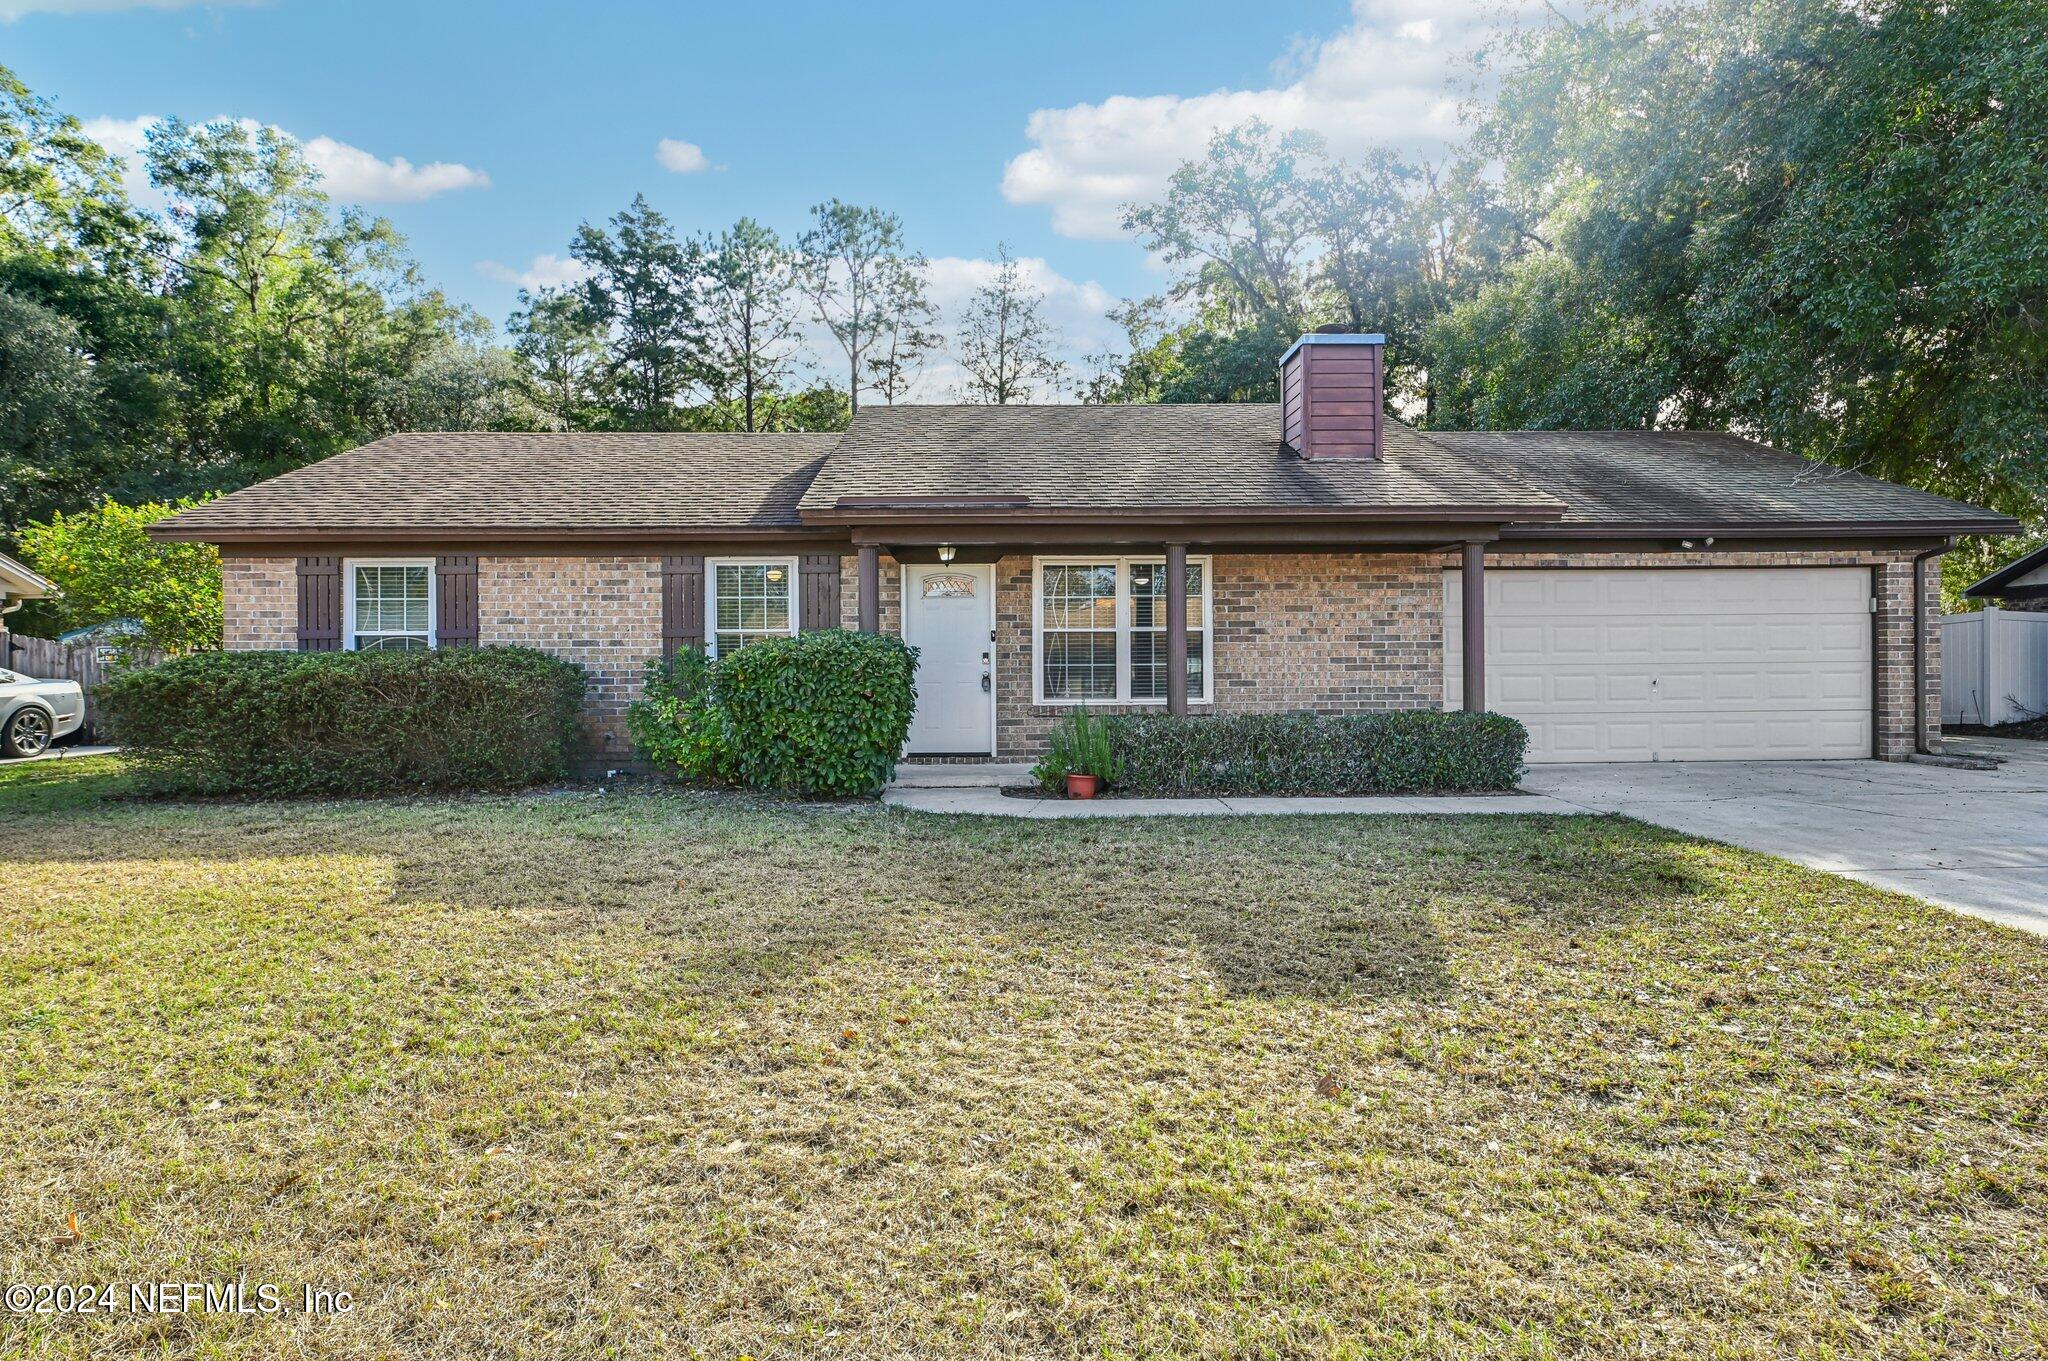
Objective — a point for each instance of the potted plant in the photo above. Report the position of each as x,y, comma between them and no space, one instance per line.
1079,757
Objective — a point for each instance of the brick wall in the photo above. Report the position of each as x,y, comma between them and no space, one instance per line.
1336,633
260,604
892,594
601,612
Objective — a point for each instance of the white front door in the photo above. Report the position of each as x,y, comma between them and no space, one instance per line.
949,617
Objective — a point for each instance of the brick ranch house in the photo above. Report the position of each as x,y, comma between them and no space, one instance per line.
1630,596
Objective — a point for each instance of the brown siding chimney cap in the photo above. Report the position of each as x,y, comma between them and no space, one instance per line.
1318,338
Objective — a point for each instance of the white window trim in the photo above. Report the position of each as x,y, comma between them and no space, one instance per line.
348,596
1124,627
711,566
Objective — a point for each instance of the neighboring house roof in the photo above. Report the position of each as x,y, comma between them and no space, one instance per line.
2025,577
1075,463
526,485
106,628
1039,460
18,582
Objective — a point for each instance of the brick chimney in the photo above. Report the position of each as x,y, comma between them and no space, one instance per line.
1330,391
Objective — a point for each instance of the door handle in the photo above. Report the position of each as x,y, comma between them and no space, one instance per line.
984,682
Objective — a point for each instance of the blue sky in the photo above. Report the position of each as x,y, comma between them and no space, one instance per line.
488,131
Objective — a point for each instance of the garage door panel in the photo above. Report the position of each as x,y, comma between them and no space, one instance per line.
1677,663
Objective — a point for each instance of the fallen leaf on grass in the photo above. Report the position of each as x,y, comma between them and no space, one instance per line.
286,1183
71,1237
1326,1085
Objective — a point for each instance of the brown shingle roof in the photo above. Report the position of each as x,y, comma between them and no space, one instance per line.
1699,479
531,483
1047,460
1140,459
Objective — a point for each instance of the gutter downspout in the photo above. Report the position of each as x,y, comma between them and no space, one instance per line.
1920,645
6,637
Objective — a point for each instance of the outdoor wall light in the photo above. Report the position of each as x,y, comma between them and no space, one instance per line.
945,552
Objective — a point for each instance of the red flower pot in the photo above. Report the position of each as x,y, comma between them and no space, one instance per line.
1083,786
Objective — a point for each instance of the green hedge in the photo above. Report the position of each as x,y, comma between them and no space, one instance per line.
677,725
284,723
1400,751
818,714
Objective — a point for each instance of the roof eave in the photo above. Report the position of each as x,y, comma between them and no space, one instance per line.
920,514
1996,582
1752,529
24,582
164,531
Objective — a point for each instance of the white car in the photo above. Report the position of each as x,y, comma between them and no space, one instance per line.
35,713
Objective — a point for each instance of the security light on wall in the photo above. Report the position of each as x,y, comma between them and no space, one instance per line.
945,552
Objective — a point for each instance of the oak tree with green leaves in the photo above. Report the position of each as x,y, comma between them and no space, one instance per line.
108,568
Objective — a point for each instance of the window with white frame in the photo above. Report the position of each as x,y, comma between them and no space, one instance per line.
751,599
390,606
1101,630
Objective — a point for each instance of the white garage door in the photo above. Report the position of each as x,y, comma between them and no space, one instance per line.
1675,664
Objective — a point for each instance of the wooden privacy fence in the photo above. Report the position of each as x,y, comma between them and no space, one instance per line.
1994,666
47,659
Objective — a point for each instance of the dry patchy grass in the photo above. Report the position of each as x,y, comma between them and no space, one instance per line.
669,1075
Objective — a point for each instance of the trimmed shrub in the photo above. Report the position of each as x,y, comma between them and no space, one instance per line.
817,714
677,726
1407,751
286,723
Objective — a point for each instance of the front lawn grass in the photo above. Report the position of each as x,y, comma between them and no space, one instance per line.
644,1075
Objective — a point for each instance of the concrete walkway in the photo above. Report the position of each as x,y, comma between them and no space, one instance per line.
59,754
1973,840
978,789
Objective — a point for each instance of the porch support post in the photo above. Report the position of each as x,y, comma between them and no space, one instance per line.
1177,628
1475,625
870,588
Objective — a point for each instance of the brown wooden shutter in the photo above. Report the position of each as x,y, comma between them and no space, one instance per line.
319,604
455,600
818,578
682,602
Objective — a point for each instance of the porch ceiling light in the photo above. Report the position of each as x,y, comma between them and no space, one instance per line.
945,552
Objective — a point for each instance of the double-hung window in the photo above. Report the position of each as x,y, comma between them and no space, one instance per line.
389,606
750,599
1101,630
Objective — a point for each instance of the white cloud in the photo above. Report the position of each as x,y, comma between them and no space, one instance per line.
348,173
124,137
1389,79
355,176
684,158
10,10
542,271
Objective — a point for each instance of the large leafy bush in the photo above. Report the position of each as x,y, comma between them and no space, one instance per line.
818,714
676,724
283,723
1400,751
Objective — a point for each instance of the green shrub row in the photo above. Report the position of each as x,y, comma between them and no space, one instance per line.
818,714
1396,752
286,723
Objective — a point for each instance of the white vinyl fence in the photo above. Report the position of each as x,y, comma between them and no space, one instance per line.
1994,666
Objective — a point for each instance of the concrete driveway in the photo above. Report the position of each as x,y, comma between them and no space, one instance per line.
1973,840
